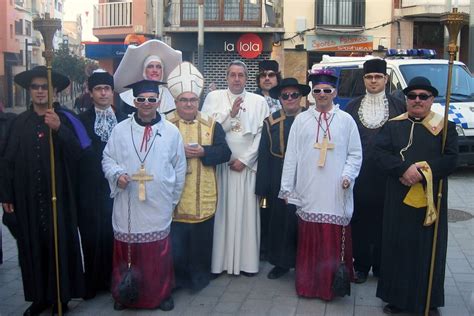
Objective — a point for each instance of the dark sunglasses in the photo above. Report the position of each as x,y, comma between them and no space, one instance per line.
286,96
35,86
143,100
326,91
422,96
269,74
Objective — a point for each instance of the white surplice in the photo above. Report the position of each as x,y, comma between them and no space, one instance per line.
236,242
317,191
166,162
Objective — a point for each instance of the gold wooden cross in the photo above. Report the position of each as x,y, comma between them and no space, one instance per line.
324,146
141,177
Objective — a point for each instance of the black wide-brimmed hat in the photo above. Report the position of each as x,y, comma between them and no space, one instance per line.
420,83
23,79
289,82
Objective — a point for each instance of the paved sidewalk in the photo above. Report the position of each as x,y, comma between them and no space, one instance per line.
230,295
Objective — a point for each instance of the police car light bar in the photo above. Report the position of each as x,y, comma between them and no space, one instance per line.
420,53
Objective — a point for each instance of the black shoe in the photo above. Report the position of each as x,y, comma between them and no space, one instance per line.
360,277
36,309
65,309
391,309
434,312
277,272
376,272
118,306
215,275
248,274
167,304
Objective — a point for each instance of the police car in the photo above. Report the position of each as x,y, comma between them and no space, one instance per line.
402,66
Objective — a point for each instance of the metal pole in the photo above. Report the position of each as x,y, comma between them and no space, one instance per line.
201,36
27,94
453,21
471,37
159,19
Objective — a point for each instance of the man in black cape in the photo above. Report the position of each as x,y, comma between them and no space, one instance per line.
282,220
95,204
409,148
26,192
370,111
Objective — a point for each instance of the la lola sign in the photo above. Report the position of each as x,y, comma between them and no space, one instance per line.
248,46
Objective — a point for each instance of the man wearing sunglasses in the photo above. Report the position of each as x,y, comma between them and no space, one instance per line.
95,205
145,165
322,160
281,225
205,147
370,111
268,77
409,149
25,191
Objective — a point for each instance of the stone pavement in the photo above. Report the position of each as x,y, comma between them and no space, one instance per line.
231,295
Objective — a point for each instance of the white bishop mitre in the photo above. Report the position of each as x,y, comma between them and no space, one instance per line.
185,78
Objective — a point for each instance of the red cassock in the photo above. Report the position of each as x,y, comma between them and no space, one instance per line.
154,263
318,257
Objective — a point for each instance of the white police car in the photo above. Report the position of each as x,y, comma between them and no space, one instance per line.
402,66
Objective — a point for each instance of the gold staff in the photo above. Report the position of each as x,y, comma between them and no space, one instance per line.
453,22
48,27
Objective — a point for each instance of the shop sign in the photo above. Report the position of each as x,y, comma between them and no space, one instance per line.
338,43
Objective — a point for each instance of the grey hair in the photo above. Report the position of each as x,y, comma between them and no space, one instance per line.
240,64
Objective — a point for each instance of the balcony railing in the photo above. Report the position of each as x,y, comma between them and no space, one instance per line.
113,14
218,13
340,13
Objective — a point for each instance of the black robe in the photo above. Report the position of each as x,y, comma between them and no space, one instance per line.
192,242
406,244
95,211
282,221
28,186
369,190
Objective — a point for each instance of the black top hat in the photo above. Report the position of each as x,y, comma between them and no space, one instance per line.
324,76
289,82
23,79
420,83
143,86
375,65
99,78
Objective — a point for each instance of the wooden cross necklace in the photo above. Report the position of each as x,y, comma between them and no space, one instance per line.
141,176
325,144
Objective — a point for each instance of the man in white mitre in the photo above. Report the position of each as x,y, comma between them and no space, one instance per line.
237,222
322,160
145,164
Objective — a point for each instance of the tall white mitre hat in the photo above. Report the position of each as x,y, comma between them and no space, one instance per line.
185,78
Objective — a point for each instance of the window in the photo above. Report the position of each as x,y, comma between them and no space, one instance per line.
351,84
19,27
223,12
337,13
28,28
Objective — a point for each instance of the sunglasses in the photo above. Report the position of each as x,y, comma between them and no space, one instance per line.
143,100
294,95
325,91
269,74
374,77
422,96
185,100
35,86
